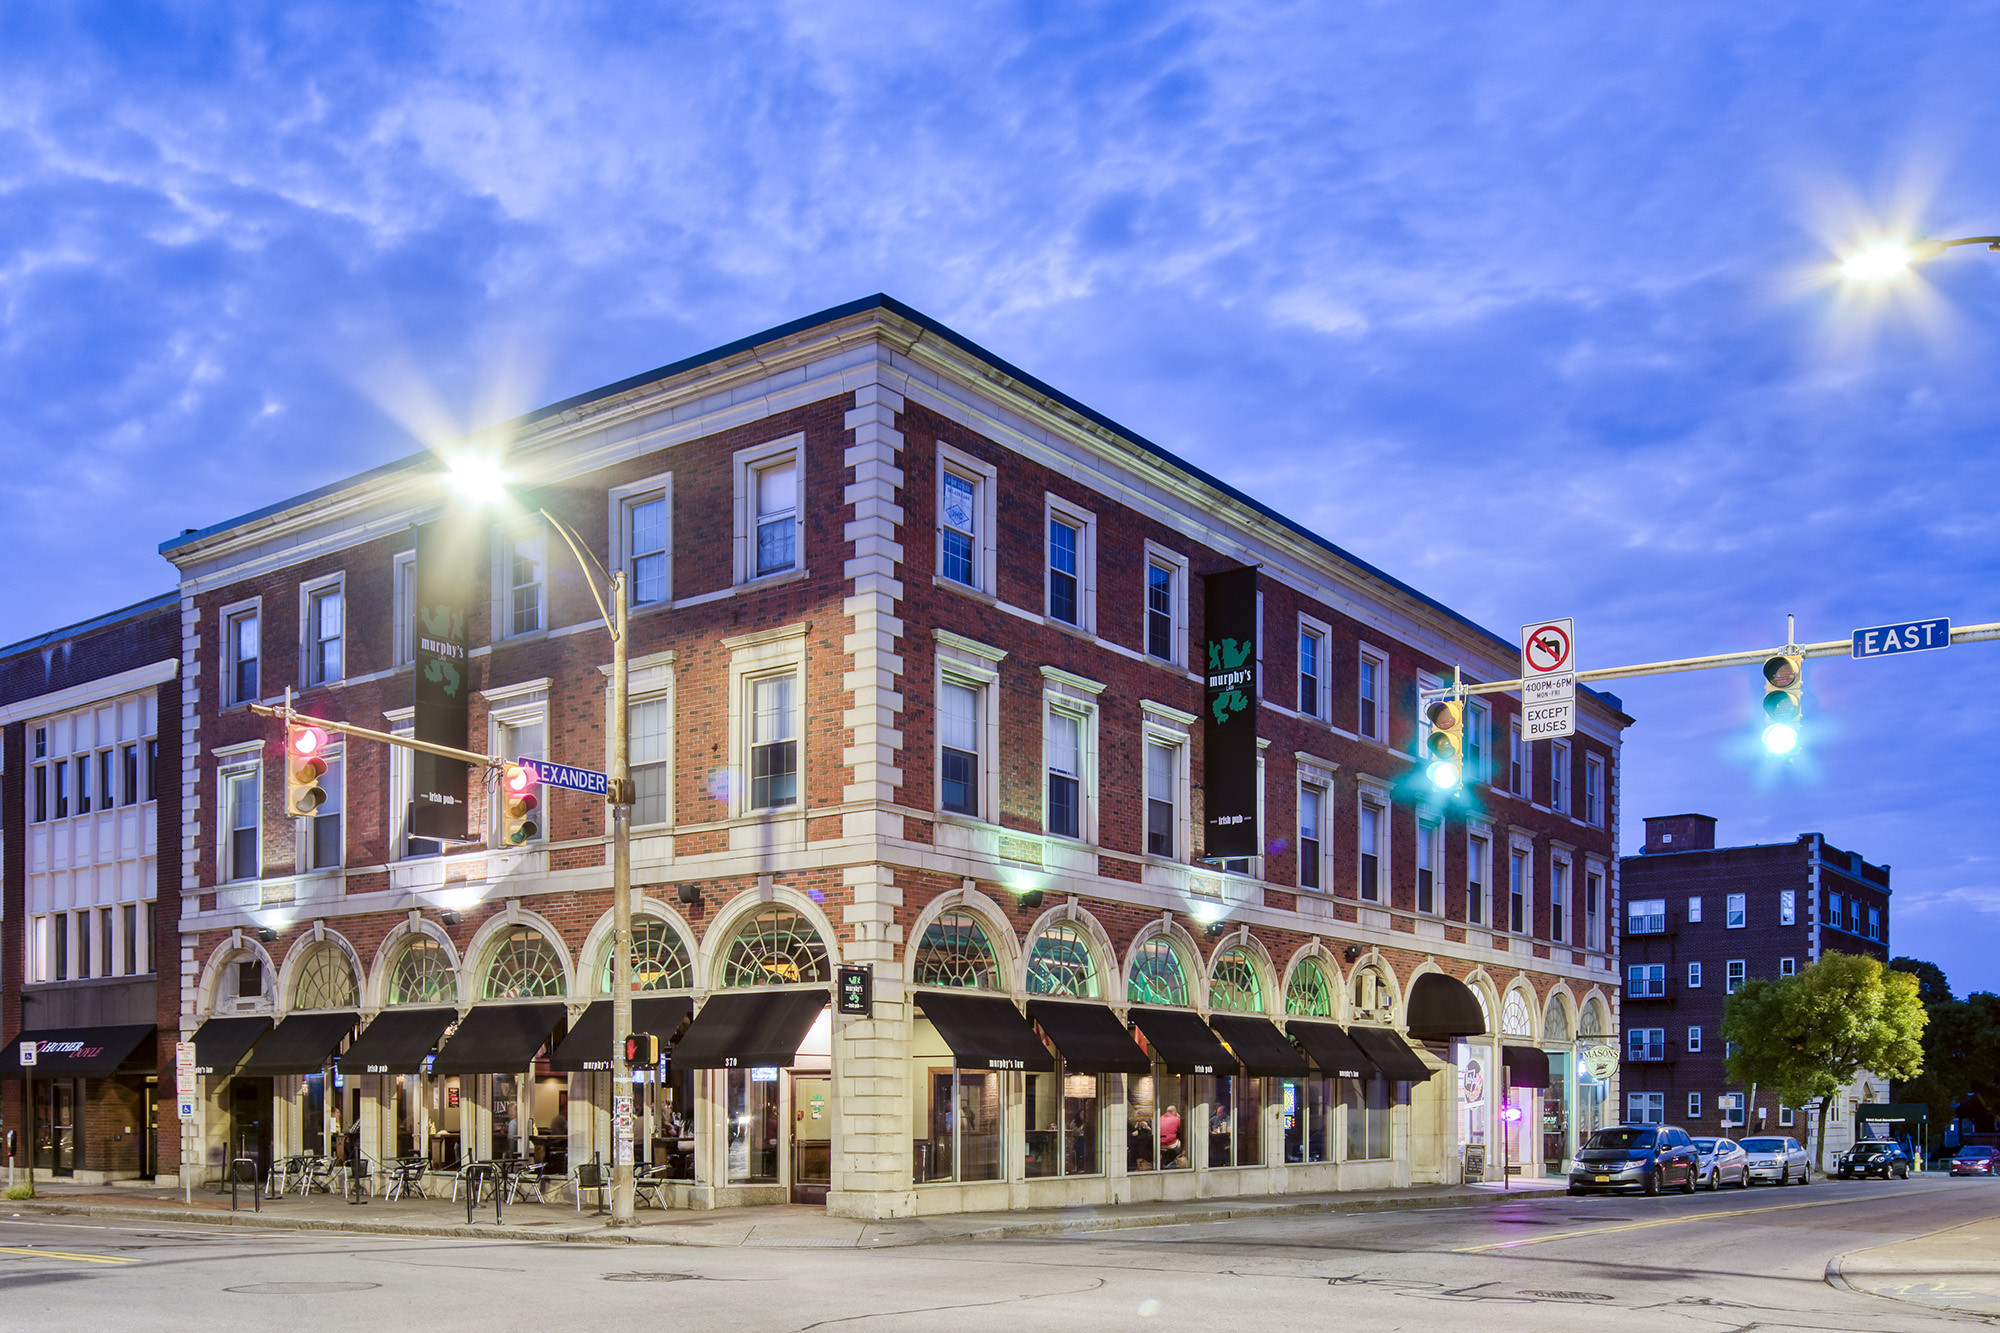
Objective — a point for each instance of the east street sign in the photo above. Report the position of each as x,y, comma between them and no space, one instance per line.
1912,636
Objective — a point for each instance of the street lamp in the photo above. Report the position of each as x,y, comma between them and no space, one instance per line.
480,482
1884,260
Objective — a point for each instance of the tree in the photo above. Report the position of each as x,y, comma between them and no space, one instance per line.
1809,1034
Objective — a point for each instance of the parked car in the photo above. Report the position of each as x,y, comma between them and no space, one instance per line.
1874,1157
1780,1159
1722,1161
1976,1161
1641,1157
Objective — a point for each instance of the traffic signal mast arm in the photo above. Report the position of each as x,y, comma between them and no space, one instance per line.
1755,657
290,718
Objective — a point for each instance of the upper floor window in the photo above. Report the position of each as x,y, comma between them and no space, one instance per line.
1478,873
1517,760
1646,1044
322,843
1162,803
958,748
1854,915
1166,604
1787,966
242,807
958,524
1312,818
1518,915
1559,901
1559,777
1593,903
777,517
1374,821
645,544
521,732
1788,910
1643,980
1374,681
1430,861
1063,742
1694,1041
403,605
1646,916
648,750
1874,923
241,652
324,634
1736,915
774,742
1694,910
1694,976
1478,722
130,788
1734,981
1312,670
1070,560
1593,791
524,572
59,775
1833,910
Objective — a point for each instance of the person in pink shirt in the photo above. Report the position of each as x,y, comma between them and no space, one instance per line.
1170,1135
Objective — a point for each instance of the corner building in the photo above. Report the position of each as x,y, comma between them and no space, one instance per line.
1699,921
915,686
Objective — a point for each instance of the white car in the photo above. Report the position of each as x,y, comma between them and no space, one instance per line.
1779,1160
1723,1162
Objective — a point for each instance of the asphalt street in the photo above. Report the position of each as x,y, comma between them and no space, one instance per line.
1737,1260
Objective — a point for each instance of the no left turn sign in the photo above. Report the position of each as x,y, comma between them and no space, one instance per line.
1548,679
1545,649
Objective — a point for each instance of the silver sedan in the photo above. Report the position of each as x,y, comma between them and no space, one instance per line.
1723,1162
1781,1160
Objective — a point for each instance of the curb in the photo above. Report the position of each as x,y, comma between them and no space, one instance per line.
1836,1277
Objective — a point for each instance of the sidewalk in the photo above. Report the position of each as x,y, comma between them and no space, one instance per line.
776,1226
1957,1269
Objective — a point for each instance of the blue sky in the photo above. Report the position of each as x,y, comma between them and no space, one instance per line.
1528,303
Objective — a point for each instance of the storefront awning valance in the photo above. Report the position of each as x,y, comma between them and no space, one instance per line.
221,1043
1183,1042
588,1045
397,1041
498,1039
985,1031
302,1044
1391,1054
75,1052
1259,1046
759,1029
1090,1037
1443,1007
1526,1066
1332,1049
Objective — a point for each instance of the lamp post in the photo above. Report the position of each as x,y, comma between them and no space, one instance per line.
1888,259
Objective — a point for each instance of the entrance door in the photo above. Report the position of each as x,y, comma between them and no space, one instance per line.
250,1122
55,1130
149,1141
812,1139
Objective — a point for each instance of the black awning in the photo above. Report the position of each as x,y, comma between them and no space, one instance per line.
221,1043
1332,1049
498,1039
75,1052
1183,1042
984,1031
1259,1046
302,1044
1391,1054
1090,1037
397,1041
588,1045
758,1029
1526,1066
1443,1007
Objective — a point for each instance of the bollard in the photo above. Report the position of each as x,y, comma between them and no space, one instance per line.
236,1179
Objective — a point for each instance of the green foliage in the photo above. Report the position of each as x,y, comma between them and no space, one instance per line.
1961,1044
19,1192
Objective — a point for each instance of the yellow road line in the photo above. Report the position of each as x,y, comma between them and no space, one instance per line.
80,1258
1641,1226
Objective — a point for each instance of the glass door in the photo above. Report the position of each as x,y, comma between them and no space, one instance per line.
55,1127
812,1139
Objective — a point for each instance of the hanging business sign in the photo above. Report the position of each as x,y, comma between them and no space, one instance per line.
447,555
854,995
1229,714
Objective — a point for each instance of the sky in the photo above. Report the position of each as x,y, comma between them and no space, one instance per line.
1533,305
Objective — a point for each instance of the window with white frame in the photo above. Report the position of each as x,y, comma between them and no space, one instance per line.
1788,907
958,747
1694,911
767,508
1730,1107
1166,605
1646,980
522,581
1312,849
1519,913
1694,976
1735,913
1517,760
242,648
1478,874
1593,909
648,739
965,505
967,685
1734,982
1787,966
1559,777
1645,1108
1372,696
38,777
520,730
1071,559
774,741
402,785
1559,901
1163,821
642,518
1874,923
1646,1043
1373,838
1065,734
1313,638
403,608
1694,1106
1430,863
324,639
242,806
1478,731
1694,1041
321,841
1784,1116
1593,790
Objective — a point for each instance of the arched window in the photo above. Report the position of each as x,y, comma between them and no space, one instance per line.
775,946
1235,986
1309,995
955,952
1372,993
243,978
1555,1022
1157,976
423,974
325,980
659,959
1514,1020
1592,1024
524,966
1060,964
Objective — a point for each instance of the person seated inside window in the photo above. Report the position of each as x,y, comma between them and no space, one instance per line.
1170,1138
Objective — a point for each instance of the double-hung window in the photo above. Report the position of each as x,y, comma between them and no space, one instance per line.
1730,1107
958,748
242,651
1734,982
1166,605
1645,916
1593,791
1559,777
1478,719
322,841
1645,1108
648,741
777,500
1788,909
325,626
1430,862
1787,966
1833,910
1162,804
1854,916
1312,819
1372,692
1694,1106
1645,980
1374,836
242,806
1068,572
524,570
1063,741
1694,976
129,790
1694,1041
1478,874
1517,760
1593,913
1312,670
403,605
774,741
1874,923
1694,910
1733,906
521,732
1559,901
958,528
1646,1044
642,517
1517,891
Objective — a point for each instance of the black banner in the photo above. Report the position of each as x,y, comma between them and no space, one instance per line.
447,552
1229,715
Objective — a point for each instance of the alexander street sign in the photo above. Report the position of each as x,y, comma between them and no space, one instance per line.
1912,636
562,775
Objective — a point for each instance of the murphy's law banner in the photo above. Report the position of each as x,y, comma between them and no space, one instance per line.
1229,714
447,552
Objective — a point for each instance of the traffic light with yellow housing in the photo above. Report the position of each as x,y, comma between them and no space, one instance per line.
1446,742
518,804
1784,701
305,765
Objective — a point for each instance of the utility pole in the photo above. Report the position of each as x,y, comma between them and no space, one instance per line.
618,812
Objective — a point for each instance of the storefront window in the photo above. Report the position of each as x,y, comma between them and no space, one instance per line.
524,966
753,1125
1060,964
667,1120
1236,987
1366,1102
1473,1107
325,981
1156,1136
1555,1114
1308,1104
1235,1119
958,1113
1157,976
509,1134
1309,995
1063,1124
955,952
423,975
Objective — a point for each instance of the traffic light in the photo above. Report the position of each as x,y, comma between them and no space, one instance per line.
517,805
642,1049
1784,688
305,765
1446,742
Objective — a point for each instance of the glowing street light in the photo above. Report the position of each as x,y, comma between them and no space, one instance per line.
1886,260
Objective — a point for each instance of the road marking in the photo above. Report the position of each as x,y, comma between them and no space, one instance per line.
1659,1222
79,1258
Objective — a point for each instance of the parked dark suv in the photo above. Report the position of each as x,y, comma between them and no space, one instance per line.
1874,1157
1636,1157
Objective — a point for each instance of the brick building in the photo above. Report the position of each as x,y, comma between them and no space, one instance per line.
915,656
1700,919
90,883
